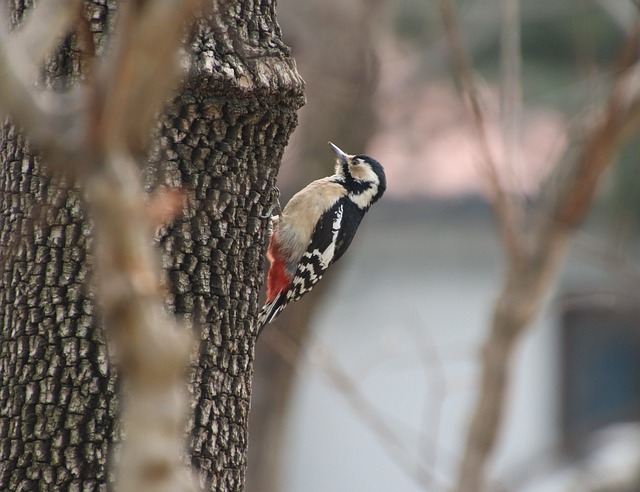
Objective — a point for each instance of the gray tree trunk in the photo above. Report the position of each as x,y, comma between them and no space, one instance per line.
221,141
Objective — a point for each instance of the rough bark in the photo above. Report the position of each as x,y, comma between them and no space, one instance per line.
57,411
217,248
56,394
221,142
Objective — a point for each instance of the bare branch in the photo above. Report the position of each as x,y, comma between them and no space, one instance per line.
142,67
16,98
42,30
151,352
511,93
290,351
435,368
47,118
568,199
504,208
570,193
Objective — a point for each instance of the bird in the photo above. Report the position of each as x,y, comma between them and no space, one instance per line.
316,227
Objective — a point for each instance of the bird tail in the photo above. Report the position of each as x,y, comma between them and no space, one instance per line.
271,310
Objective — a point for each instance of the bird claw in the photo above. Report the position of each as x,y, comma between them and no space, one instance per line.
269,213
274,206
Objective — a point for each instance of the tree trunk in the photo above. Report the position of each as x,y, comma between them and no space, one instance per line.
221,141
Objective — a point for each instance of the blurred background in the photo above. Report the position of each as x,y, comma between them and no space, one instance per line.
368,383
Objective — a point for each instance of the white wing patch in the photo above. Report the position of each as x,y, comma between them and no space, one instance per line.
328,253
313,263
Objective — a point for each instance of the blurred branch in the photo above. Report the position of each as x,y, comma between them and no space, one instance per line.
511,94
35,111
142,67
505,209
394,445
151,352
566,199
42,30
434,367
569,192
619,12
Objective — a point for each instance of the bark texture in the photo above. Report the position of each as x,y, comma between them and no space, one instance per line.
56,406
221,141
57,411
214,255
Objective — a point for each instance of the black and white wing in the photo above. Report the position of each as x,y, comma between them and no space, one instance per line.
329,241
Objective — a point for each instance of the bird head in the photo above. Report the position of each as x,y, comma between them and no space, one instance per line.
364,175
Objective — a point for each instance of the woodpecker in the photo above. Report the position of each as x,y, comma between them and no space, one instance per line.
316,227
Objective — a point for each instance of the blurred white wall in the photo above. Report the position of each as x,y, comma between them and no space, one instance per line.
406,320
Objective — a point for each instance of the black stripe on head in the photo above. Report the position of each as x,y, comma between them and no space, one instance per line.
356,187
345,168
377,168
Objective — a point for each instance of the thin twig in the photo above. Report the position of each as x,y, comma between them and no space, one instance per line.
393,444
511,94
504,208
567,198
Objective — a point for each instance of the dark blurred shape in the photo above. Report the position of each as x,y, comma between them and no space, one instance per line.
600,365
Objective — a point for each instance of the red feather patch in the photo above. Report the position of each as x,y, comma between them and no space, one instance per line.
277,278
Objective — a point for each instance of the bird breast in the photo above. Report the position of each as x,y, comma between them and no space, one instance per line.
300,216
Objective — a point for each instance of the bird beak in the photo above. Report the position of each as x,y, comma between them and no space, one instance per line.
342,157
